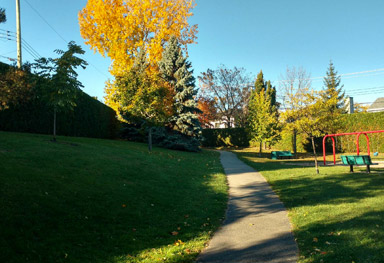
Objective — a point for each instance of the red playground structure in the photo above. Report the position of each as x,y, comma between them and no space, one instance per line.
332,136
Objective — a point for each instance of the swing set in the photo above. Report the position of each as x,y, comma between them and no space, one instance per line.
332,136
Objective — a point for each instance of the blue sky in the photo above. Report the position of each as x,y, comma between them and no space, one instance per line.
258,35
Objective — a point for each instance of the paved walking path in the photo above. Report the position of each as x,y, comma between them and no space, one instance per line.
256,228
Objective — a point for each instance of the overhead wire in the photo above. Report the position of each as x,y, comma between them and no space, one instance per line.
10,35
57,33
45,21
28,48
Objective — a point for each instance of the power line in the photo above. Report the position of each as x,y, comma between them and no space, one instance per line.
37,12
12,36
348,75
11,59
26,46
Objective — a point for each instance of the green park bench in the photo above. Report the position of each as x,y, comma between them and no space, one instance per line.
281,154
352,160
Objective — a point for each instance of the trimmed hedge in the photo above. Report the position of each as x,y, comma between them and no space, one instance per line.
363,121
90,117
231,137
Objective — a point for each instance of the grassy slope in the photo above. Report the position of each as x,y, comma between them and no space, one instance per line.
336,216
91,200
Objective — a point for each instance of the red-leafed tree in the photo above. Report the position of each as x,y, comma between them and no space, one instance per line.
207,106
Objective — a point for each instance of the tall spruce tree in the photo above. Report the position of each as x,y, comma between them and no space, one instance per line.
332,88
176,71
334,98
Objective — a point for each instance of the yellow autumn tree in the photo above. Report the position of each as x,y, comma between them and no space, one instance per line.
120,29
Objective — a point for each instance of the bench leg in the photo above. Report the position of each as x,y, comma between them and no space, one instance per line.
368,169
351,168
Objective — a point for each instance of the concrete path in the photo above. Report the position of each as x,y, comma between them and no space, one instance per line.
256,228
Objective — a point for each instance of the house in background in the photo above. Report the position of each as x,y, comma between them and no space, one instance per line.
377,105
221,124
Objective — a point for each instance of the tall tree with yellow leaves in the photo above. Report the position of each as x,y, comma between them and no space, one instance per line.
120,29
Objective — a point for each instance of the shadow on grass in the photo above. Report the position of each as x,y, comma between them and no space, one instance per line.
353,234
57,206
335,243
98,229
359,239
329,189
269,250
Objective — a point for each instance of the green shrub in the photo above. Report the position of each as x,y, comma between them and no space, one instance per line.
231,137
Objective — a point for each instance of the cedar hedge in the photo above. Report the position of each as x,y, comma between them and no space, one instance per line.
230,137
90,118
363,121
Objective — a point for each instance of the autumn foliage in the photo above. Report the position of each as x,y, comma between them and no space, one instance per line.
207,106
15,88
120,29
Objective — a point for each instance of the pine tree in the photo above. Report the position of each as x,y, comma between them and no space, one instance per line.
333,88
176,71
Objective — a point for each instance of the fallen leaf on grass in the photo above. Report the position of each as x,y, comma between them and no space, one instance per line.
174,233
315,239
179,242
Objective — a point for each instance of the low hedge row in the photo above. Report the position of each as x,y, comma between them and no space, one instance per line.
90,118
231,137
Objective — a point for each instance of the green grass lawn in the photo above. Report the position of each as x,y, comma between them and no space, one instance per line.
336,216
92,200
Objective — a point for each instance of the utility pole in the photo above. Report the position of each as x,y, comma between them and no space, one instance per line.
18,30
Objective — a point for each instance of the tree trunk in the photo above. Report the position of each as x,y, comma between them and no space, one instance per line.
294,138
54,125
150,139
260,148
314,152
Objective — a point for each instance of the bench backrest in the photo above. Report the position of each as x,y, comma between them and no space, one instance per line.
356,159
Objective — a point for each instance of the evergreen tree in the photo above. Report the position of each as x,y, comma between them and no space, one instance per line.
334,98
271,95
334,89
274,126
3,17
259,83
176,71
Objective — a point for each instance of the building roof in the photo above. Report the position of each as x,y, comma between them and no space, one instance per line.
377,105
